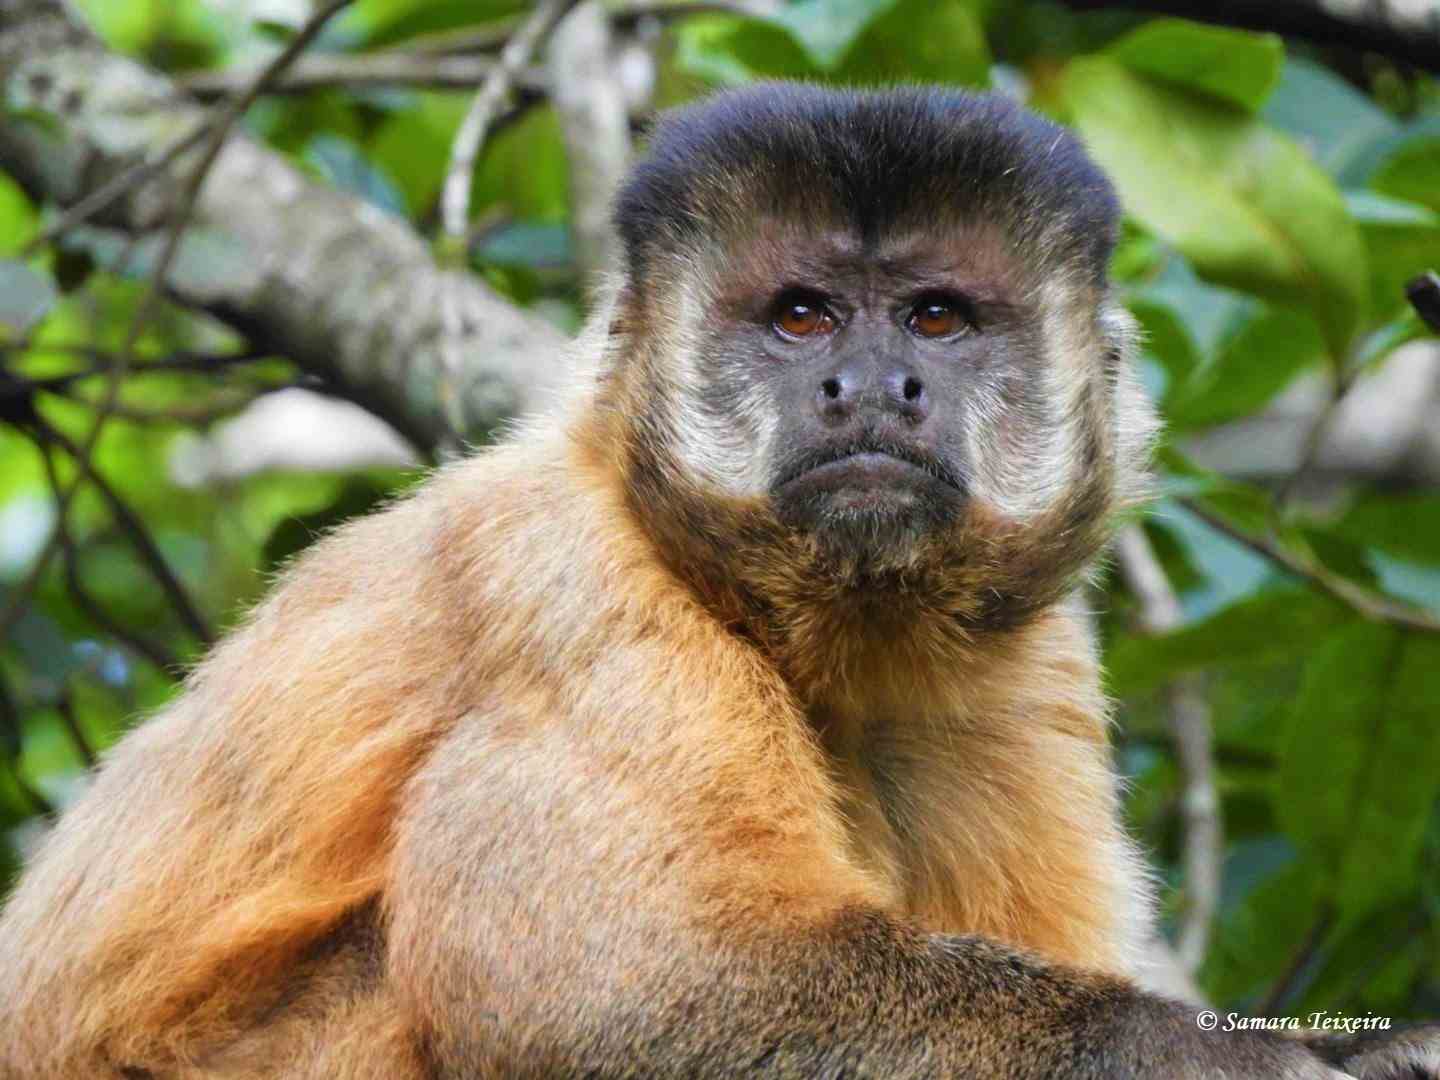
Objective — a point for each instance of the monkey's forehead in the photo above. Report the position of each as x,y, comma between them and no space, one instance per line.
867,163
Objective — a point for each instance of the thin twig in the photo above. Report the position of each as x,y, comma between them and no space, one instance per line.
135,528
66,708
1188,715
1370,604
10,721
1341,384
1285,985
112,189
455,198
87,603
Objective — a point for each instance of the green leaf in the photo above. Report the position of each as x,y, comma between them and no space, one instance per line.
412,147
385,22
1231,65
1339,125
1404,525
726,50
1275,625
1412,173
1260,935
1372,208
1166,339
918,41
1397,252
1258,361
1360,772
17,216
1242,202
25,296
529,244
344,165
826,29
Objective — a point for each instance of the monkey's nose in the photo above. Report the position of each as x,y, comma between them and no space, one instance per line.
893,391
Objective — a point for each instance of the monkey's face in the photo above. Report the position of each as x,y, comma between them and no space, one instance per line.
867,347
860,390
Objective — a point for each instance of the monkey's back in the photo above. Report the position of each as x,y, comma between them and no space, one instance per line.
232,850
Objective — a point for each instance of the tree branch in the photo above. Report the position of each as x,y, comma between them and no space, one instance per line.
1365,602
313,274
590,101
1188,714
354,72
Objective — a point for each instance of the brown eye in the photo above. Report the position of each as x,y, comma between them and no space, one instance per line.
802,316
937,317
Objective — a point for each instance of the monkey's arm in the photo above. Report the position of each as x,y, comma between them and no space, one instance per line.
584,890
1406,1052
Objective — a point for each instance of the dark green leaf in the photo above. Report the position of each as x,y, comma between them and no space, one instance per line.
1278,624
1404,525
1232,65
1412,173
1361,769
1259,361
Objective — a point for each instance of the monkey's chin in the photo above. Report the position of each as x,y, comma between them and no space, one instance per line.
871,529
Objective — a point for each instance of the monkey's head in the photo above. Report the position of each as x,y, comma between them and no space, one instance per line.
867,346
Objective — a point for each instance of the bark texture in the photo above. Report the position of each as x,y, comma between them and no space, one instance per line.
330,281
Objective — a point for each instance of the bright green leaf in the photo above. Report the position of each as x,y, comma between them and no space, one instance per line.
951,48
1243,203
385,22
727,50
1232,65
17,216
1412,173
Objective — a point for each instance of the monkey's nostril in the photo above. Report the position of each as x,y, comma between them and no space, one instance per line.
913,389
831,388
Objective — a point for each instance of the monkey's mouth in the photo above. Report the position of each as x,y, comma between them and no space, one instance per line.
868,464
867,481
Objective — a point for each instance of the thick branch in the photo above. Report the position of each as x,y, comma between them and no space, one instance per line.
590,100
1359,25
311,273
321,71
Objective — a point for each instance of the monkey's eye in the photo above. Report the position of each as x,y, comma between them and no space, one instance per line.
938,316
801,314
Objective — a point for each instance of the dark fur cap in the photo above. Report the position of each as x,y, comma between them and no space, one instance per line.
872,161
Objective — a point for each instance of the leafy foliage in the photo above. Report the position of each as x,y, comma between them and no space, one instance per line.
1275,210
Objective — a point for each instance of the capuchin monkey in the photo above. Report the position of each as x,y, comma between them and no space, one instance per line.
735,718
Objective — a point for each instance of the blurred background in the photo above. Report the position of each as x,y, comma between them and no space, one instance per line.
263,262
